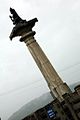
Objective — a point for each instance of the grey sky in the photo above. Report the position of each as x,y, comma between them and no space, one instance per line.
57,32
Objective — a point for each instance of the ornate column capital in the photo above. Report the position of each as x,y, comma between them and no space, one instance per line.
28,38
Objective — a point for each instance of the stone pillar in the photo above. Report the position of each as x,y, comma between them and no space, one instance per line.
23,28
55,83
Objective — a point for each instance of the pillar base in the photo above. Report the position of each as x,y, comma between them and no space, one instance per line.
59,91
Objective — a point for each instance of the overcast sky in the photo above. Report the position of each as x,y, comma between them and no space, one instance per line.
58,34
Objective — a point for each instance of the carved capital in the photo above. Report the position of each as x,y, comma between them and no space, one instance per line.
28,36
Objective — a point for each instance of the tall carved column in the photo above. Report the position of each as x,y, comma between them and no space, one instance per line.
24,29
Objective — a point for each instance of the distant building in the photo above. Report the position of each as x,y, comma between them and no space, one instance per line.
69,109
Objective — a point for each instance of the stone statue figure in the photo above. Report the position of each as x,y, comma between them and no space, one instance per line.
20,24
15,17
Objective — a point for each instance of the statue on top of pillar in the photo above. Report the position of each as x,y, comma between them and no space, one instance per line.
21,26
15,17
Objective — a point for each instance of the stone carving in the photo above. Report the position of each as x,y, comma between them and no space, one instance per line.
21,26
15,17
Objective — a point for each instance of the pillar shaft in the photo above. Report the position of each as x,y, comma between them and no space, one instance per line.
56,85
